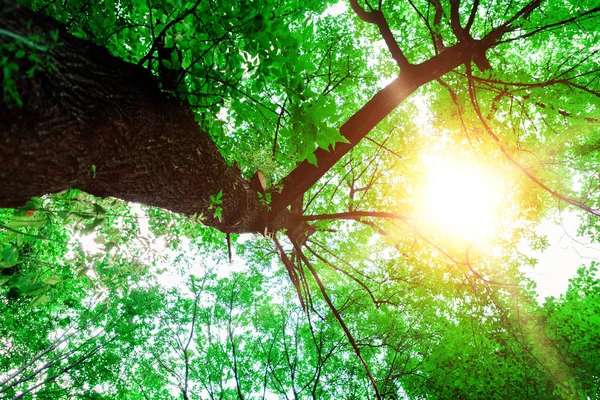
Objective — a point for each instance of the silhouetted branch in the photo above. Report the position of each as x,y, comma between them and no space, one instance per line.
339,318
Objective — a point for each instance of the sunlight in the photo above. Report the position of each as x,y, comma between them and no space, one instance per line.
459,198
335,9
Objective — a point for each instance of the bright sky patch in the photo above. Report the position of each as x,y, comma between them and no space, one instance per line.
459,198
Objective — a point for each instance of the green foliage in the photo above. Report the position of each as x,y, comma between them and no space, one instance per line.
102,299
20,58
214,204
262,67
574,322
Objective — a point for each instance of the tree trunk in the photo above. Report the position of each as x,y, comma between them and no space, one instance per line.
97,123
102,125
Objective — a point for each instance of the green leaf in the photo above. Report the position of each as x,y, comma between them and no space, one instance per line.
175,60
36,220
35,289
311,158
51,280
63,213
90,227
187,60
43,299
218,213
167,64
216,200
10,256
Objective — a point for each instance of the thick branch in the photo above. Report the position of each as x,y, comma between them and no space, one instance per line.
380,106
455,20
361,12
472,16
386,100
355,215
97,123
437,25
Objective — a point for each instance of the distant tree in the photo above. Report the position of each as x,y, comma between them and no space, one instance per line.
573,324
64,351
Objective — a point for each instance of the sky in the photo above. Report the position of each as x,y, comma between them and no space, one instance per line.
556,264
560,261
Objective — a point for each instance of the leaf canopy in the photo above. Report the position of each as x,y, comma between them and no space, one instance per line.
106,299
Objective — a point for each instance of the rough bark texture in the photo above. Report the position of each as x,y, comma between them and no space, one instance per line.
102,125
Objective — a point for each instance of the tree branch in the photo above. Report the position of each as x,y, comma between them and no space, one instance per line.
438,42
455,20
339,318
363,121
163,33
382,145
553,25
289,266
355,215
376,17
471,17
348,274
524,13
513,161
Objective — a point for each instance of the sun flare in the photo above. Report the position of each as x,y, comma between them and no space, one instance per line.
460,199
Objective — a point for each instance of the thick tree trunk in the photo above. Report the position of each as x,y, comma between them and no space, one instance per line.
99,124
102,125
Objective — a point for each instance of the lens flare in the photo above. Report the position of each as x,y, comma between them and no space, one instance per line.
460,198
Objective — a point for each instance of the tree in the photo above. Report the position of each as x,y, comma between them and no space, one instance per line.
73,345
571,320
510,83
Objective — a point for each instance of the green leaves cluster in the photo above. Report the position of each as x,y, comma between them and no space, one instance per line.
214,204
221,336
270,69
20,58
43,255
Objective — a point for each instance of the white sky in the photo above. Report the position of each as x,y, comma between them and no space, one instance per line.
559,262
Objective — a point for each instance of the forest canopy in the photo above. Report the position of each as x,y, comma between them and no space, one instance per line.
283,199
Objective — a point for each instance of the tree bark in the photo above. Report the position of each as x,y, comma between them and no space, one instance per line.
102,125
97,123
